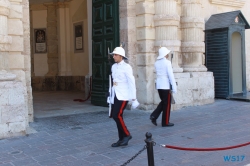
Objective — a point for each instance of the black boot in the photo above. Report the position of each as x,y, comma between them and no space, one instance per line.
125,140
169,125
117,143
153,120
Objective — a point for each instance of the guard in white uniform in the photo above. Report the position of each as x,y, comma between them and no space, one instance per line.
164,80
123,90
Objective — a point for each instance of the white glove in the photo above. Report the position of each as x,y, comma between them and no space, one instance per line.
108,100
174,91
135,104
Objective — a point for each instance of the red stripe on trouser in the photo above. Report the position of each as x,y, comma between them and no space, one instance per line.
168,108
121,120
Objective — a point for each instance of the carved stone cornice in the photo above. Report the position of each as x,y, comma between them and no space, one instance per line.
234,3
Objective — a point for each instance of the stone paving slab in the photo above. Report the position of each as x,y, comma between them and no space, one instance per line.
84,139
56,103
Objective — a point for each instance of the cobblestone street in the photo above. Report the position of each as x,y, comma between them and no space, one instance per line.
85,139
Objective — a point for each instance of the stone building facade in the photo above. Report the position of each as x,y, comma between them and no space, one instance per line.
16,103
145,25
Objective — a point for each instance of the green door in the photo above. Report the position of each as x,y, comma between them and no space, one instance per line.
105,33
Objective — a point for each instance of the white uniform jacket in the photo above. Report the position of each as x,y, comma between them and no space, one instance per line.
123,82
164,75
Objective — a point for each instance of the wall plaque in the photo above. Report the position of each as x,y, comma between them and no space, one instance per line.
40,40
78,37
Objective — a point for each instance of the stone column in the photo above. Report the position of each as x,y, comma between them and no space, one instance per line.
192,26
145,58
5,40
167,23
29,71
64,62
52,39
128,29
31,44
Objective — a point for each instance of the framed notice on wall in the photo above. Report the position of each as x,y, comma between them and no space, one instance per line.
78,37
40,40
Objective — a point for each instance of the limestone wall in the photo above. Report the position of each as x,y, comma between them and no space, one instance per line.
15,90
27,58
145,51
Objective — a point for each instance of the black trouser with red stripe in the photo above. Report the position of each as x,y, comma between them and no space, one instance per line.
117,114
164,106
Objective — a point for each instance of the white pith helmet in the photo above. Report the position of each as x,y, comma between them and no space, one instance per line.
119,51
163,51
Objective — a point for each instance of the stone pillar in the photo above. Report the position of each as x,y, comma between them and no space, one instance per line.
145,58
52,39
5,40
13,112
128,29
167,23
89,14
31,44
192,26
64,62
27,58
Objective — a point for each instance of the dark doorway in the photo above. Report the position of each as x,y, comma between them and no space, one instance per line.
236,62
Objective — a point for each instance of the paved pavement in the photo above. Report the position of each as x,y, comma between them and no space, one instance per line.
84,139
56,103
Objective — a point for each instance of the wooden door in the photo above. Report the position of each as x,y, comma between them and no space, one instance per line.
105,33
